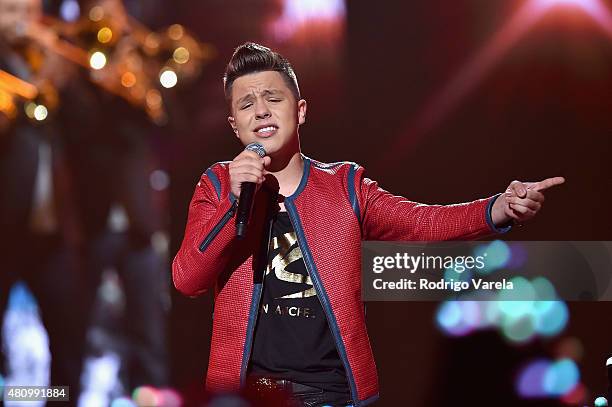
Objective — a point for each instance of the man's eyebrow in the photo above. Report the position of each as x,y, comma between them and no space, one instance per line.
271,91
265,92
246,97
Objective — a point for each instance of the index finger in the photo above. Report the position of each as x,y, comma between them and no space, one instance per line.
547,183
249,154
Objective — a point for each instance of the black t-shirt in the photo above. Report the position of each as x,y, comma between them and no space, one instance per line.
292,338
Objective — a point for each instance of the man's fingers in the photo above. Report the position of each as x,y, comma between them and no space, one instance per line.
248,153
246,167
525,199
547,183
518,189
240,176
522,210
251,178
535,195
527,203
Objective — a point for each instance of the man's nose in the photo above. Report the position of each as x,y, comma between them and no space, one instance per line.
262,111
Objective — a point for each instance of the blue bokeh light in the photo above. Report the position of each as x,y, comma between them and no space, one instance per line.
497,254
123,402
551,317
561,377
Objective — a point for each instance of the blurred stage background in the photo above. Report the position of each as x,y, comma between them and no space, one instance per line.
442,102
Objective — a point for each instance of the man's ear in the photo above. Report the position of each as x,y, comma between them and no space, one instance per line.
301,111
232,123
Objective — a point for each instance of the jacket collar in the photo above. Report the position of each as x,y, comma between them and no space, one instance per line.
304,180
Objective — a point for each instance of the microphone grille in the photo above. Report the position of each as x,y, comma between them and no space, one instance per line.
258,148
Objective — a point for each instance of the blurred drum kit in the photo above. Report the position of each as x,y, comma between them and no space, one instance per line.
121,56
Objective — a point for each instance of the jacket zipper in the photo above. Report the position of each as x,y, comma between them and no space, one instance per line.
215,231
324,301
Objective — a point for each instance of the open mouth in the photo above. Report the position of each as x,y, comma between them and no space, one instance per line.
266,131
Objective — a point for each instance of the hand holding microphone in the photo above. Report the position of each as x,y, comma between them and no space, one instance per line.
247,172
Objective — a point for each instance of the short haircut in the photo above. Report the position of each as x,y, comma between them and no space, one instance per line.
250,58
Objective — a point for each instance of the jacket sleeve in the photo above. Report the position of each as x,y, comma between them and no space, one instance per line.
204,252
389,217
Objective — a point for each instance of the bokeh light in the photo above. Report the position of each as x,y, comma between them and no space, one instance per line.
497,254
159,180
544,289
530,379
128,79
518,302
450,318
70,10
96,13
176,32
40,112
551,317
153,99
579,3
518,329
170,398
298,14
168,78
518,255
451,274
561,378
146,396
97,60
29,108
105,34
181,55
123,402
543,378
519,316
472,315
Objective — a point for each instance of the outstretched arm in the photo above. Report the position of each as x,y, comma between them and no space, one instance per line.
385,216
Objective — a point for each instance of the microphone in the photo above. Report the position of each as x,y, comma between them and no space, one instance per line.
247,196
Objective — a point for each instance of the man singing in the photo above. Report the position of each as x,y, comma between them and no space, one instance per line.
288,311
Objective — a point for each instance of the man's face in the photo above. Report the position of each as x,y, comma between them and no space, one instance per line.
264,110
15,16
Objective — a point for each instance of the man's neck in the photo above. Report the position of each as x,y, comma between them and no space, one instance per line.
288,172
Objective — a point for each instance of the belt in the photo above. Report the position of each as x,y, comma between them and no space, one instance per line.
270,385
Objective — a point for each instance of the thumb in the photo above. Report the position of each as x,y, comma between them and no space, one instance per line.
266,161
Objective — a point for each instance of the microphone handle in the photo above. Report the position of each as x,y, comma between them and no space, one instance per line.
245,207
247,196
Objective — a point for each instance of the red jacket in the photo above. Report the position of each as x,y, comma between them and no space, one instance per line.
333,209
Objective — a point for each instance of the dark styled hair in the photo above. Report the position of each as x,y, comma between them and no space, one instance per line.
251,58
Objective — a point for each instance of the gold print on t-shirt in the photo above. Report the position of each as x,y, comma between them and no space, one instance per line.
288,253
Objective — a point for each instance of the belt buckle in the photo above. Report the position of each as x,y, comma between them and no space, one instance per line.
266,385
